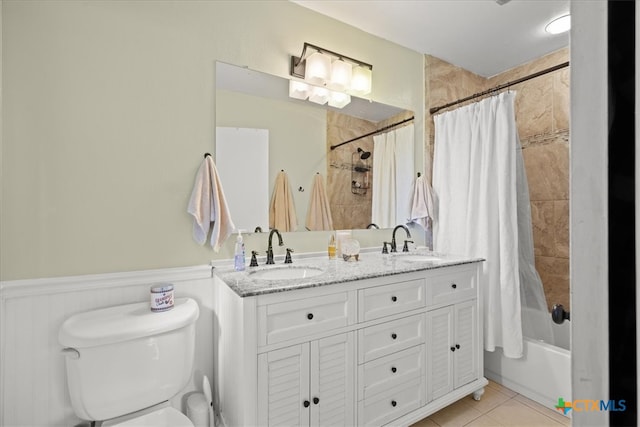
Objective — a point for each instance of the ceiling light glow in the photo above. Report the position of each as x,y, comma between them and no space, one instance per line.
559,25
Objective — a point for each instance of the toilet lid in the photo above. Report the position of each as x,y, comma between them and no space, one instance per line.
165,417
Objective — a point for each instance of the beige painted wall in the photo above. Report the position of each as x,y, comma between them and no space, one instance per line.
297,135
109,106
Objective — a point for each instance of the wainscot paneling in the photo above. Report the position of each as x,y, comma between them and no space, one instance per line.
33,389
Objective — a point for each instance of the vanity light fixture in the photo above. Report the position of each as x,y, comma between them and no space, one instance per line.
559,25
339,76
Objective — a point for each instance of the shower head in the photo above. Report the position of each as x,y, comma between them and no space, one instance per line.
364,154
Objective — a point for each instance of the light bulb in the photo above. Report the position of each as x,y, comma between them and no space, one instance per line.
361,81
318,69
340,75
298,90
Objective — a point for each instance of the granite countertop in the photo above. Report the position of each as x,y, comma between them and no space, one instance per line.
370,264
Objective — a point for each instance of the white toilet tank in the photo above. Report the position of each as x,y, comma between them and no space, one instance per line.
125,358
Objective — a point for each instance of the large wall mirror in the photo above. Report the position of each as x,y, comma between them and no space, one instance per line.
300,134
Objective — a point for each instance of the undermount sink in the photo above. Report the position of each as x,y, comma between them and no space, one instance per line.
418,258
286,273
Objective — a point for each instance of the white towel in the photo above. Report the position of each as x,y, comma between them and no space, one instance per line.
282,212
208,205
422,206
319,212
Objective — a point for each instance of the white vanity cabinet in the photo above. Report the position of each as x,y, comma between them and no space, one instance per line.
308,384
389,349
453,358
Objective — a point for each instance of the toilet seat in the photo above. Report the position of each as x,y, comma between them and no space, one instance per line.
166,416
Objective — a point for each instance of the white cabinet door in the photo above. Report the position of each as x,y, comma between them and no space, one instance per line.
465,360
439,360
333,381
283,387
308,384
452,348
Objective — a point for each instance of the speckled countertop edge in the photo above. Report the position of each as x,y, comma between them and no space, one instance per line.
369,265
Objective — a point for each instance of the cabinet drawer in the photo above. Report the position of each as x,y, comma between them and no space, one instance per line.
283,321
452,287
384,408
386,338
391,299
387,372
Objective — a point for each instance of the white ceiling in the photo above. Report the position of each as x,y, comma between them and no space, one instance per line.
478,35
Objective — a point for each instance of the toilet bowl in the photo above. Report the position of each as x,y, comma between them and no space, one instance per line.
157,416
125,363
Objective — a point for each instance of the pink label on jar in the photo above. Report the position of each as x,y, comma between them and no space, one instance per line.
161,298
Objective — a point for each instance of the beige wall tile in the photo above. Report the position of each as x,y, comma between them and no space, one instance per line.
534,106
547,169
554,273
561,226
543,228
561,100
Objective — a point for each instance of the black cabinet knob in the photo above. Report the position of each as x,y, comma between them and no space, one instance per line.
306,403
394,298
394,403
453,349
457,345
310,316
316,400
394,369
453,285
394,336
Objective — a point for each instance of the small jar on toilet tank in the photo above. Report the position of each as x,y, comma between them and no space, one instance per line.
161,297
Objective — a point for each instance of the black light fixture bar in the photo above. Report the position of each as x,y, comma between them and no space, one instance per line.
298,62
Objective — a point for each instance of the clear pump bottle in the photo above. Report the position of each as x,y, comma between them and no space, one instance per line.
238,259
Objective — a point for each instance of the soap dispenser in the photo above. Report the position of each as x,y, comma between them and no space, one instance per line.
238,259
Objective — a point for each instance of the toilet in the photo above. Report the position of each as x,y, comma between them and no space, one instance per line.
124,363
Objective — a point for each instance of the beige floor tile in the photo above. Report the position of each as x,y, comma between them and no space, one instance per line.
515,413
566,421
427,422
484,421
502,389
457,414
491,398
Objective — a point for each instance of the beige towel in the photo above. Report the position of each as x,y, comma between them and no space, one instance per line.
422,206
282,212
208,205
319,212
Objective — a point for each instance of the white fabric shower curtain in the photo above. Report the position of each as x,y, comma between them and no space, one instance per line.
474,178
393,170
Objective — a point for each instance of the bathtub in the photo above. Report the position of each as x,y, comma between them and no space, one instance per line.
543,374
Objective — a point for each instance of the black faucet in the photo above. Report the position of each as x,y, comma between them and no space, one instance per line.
405,248
287,259
270,248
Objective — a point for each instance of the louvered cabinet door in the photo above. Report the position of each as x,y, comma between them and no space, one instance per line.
439,360
333,381
465,360
283,387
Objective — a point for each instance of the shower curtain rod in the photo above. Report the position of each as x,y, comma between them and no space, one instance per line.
500,87
382,129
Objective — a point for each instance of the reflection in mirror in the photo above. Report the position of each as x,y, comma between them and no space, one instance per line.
301,134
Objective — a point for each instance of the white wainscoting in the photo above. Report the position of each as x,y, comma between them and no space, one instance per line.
33,390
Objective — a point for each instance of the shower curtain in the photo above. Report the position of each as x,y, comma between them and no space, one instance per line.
476,173
393,172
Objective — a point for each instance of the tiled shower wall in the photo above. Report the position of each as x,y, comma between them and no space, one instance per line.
542,115
349,210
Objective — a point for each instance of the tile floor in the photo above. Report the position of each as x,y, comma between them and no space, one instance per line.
499,406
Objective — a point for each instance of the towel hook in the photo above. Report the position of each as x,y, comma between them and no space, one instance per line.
206,154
